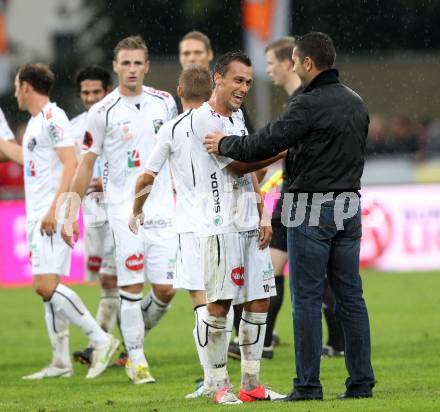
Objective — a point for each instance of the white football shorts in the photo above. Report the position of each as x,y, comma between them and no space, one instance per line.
48,254
235,268
189,275
149,256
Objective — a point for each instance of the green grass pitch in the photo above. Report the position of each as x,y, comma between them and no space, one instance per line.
405,321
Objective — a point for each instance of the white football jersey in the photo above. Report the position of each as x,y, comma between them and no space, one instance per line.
5,131
228,202
174,145
124,133
48,130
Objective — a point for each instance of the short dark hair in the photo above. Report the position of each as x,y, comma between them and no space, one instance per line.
222,64
319,47
38,75
198,35
282,48
196,83
94,72
131,43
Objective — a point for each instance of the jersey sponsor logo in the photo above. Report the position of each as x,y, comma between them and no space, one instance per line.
157,124
157,222
237,275
30,169
215,193
88,140
32,143
135,263
133,158
56,133
94,263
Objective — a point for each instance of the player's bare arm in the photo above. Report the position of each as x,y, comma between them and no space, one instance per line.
142,190
67,157
11,150
77,190
265,224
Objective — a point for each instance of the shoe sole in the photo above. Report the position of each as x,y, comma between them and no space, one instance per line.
67,374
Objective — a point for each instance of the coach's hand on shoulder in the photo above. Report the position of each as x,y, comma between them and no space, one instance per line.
49,223
69,230
212,141
134,221
265,235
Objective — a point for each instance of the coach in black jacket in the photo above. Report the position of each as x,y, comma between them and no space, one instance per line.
325,130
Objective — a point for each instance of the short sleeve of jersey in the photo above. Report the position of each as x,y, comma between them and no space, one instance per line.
205,121
95,131
5,131
161,150
58,128
171,106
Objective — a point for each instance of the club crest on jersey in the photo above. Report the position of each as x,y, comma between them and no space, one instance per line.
88,140
157,124
32,143
94,263
30,169
237,276
134,159
56,133
135,263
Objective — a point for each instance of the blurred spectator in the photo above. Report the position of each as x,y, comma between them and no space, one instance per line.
377,143
403,140
11,174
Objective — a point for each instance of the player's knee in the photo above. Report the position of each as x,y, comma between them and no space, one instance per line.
259,305
164,292
138,288
44,290
218,311
109,282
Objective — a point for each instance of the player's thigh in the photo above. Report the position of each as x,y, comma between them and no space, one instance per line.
129,254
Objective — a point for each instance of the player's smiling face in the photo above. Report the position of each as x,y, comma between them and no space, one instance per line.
131,66
91,92
192,51
234,85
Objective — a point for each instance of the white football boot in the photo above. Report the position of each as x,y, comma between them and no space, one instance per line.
101,357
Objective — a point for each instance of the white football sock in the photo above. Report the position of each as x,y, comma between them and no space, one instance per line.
251,338
132,325
229,326
152,310
200,313
65,300
216,353
107,309
58,330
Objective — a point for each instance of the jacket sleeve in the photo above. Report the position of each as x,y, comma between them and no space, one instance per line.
271,139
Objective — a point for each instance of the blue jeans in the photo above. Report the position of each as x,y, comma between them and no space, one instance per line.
314,251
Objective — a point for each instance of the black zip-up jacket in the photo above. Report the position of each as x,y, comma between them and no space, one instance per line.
325,129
